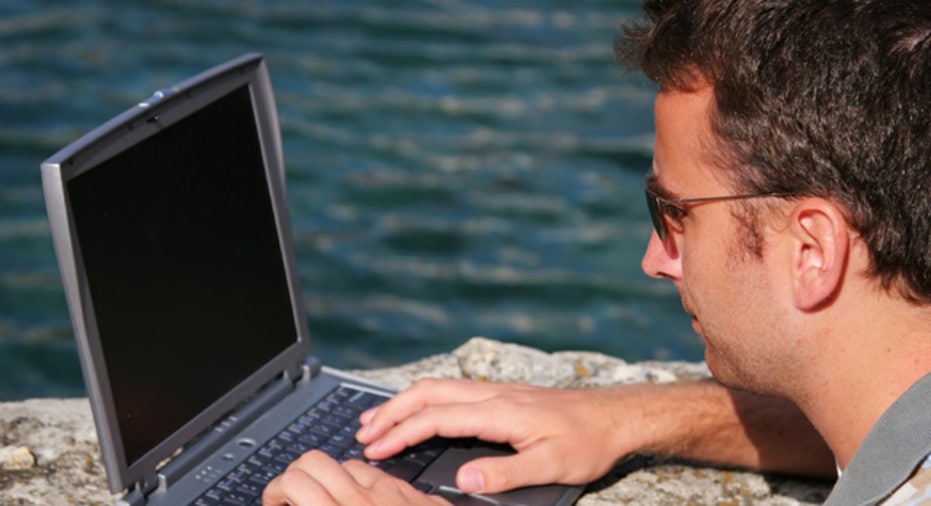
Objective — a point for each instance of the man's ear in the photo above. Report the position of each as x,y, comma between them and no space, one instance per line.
820,252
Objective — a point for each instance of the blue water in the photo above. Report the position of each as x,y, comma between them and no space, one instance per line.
455,168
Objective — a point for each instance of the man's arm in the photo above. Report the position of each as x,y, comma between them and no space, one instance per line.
716,424
561,436
781,438
576,436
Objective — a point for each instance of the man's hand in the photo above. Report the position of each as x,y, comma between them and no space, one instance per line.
315,479
561,436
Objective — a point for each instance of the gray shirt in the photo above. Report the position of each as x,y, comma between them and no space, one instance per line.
894,447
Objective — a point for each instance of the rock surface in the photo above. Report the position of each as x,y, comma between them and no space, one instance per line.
49,453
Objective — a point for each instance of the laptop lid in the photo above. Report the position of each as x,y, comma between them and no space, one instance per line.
172,236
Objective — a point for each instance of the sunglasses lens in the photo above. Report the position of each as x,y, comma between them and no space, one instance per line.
656,215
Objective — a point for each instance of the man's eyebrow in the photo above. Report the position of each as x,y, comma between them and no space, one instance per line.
657,188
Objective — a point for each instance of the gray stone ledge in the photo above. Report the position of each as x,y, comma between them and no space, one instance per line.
49,453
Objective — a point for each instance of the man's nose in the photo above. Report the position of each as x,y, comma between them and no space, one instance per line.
660,260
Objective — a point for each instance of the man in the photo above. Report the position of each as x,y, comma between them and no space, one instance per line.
791,196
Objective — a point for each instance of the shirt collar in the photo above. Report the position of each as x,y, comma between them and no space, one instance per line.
891,451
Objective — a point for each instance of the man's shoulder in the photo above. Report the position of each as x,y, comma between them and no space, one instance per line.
916,490
893,456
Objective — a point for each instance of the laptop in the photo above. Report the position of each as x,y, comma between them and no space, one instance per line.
173,239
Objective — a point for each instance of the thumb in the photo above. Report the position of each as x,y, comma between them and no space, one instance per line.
490,475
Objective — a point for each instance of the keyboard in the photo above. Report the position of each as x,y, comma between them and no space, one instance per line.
330,426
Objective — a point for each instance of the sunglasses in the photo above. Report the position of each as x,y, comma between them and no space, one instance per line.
661,207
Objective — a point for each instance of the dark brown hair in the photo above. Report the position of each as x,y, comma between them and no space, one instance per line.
827,98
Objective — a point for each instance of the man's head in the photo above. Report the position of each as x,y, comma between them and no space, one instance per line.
820,98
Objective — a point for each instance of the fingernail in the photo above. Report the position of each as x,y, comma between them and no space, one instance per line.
471,480
375,446
367,416
362,432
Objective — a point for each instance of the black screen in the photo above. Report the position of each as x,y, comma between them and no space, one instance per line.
184,268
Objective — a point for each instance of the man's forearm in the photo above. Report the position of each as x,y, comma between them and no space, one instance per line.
706,421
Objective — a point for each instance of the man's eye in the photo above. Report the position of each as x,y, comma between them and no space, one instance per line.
675,215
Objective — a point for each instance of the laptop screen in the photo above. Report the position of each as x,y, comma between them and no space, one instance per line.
184,268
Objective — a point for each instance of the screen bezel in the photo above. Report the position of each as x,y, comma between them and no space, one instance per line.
136,124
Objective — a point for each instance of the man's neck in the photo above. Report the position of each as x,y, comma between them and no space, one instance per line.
869,359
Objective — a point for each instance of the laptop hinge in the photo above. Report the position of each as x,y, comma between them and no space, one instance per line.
134,498
311,368
229,426
137,497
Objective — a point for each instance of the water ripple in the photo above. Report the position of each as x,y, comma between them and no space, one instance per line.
456,167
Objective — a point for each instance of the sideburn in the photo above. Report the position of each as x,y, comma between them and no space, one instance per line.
750,241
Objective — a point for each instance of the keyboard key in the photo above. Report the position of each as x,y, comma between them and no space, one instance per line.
300,447
343,440
275,467
286,457
341,394
227,484
257,461
404,470
324,429
312,439
240,474
354,453
337,421
270,449
214,493
300,427
235,499
362,400
263,477
420,459
326,405
424,487
346,411
333,450
250,488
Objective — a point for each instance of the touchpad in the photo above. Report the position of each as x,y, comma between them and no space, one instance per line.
442,473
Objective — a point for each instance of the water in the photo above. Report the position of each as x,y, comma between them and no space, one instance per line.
455,168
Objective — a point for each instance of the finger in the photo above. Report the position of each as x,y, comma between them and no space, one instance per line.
365,474
366,417
491,475
387,488
377,421
315,479
294,487
340,485
450,421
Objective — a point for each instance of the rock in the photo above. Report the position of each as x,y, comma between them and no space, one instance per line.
485,359
60,434
49,453
13,458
